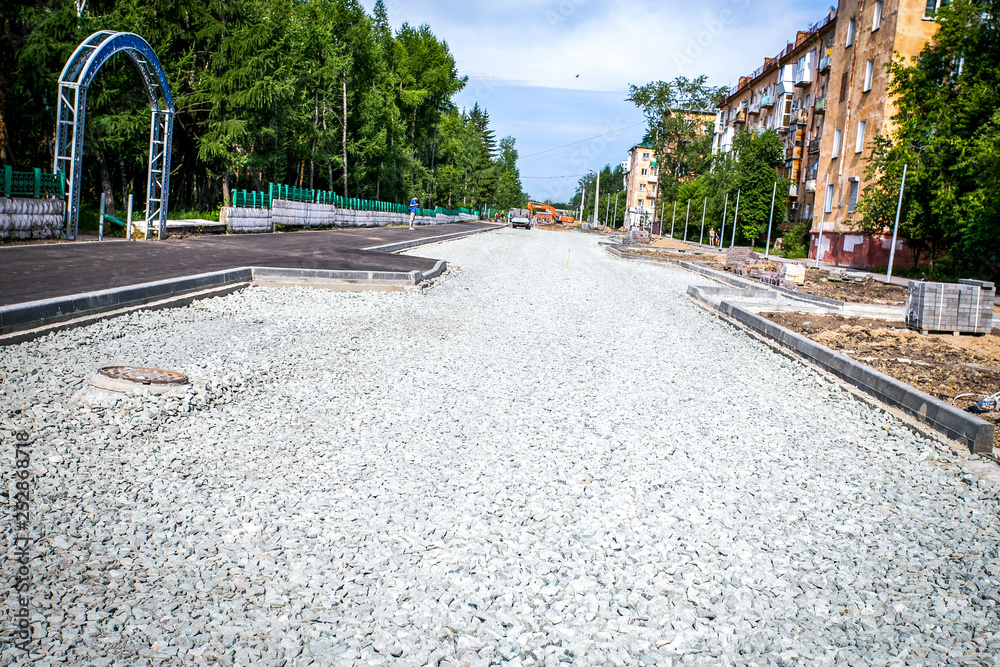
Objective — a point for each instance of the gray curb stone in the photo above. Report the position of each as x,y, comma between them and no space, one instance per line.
977,434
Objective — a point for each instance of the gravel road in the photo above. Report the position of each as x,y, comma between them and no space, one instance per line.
504,468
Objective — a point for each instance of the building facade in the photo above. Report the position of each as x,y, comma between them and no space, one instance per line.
826,96
641,182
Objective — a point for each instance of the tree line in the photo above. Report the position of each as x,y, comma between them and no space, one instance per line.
313,93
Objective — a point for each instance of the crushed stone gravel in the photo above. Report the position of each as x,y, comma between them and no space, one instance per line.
507,467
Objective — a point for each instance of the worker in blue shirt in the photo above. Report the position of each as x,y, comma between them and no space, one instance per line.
414,204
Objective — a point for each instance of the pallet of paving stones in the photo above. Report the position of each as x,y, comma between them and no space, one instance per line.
740,255
963,307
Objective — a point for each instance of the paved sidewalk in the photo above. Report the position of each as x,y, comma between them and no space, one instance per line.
32,272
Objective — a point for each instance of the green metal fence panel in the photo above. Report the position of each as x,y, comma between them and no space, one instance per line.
32,183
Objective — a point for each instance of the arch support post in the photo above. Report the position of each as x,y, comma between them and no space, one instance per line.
80,70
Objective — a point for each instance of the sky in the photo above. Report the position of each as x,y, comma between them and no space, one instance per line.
554,74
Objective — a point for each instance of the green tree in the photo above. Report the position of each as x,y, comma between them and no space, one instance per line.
758,156
947,129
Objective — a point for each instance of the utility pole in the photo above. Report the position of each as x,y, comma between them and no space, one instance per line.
822,219
895,228
597,198
673,222
767,248
735,218
704,205
615,223
725,210
687,216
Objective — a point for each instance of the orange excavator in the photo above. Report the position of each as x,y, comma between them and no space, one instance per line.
545,213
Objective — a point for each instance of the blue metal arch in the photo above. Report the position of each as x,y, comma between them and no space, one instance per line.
79,72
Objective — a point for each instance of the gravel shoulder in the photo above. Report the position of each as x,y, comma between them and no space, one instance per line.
505,467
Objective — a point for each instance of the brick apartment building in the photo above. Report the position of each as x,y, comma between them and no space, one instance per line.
825,94
641,180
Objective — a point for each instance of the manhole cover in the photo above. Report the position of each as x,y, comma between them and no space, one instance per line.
139,375
127,379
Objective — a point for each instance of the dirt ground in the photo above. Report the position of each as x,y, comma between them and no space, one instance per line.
871,291
942,365
670,243
680,256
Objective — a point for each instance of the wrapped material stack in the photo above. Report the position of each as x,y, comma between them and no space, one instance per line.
966,306
22,218
246,220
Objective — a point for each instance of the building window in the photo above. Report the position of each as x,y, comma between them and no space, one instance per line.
852,204
933,6
645,157
852,26
837,138
644,172
639,203
828,204
877,16
869,73
642,187
655,170
860,145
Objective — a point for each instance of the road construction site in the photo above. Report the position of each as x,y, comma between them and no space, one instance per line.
548,454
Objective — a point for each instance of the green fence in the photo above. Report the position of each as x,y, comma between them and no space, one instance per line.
256,199
32,183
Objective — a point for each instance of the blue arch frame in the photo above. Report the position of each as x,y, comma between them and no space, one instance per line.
79,72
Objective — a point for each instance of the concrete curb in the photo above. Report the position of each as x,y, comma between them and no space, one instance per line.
34,314
943,418
26,321
405,245
730,279
264,274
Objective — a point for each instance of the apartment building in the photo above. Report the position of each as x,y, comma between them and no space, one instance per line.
641,181
826,96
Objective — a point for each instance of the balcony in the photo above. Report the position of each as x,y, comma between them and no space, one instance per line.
811,185
801,116
820,105
803,78
825,62
783,88
767,101
740,117
793,190
814,147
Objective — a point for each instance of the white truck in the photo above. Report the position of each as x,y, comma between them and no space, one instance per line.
520,217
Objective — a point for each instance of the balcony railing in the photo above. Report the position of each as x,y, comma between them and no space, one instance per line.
801,116
825,62
793,190
811,185
820,105
767,101
803,78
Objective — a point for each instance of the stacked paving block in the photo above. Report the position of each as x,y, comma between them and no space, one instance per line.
741,255
966,306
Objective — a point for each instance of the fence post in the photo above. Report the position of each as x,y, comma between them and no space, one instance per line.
62,185
8,175
38,182
100,225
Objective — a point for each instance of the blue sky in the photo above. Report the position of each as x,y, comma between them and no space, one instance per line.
522,58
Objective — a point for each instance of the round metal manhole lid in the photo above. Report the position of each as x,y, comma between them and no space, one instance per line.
143,376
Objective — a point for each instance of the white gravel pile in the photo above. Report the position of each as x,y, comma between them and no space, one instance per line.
505,468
